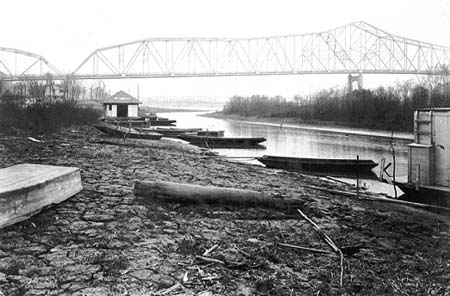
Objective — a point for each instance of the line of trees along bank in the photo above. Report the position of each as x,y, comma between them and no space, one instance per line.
383,108
43,118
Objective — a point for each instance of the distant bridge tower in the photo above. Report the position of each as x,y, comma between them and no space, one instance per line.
352,78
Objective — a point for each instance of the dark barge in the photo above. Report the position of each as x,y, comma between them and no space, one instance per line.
322,166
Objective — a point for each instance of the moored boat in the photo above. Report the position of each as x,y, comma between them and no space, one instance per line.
208,133
159,121
429,194
171,131
125,132
141,122
323,166
223,142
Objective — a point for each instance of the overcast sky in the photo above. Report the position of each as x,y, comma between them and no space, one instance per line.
66,32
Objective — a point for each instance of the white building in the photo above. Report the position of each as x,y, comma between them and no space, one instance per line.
55,91
121,104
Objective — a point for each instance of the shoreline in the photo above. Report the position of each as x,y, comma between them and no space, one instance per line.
174,109
107,241
291,123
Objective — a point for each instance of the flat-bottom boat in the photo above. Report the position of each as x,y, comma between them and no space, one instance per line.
171,131
223,142
321,166
124,132
428,194
162,122
209,133
140,121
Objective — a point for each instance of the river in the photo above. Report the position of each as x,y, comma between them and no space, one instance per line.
290,140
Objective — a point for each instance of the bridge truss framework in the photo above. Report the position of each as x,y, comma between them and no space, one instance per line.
356,48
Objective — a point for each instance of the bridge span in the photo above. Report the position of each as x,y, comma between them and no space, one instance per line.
355,48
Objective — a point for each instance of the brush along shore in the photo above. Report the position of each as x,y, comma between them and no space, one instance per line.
108,241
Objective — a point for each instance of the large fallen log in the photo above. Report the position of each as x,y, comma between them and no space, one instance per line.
187,193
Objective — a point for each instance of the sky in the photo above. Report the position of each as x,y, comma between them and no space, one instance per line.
67,31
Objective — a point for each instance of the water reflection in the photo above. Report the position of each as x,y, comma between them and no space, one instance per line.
291,141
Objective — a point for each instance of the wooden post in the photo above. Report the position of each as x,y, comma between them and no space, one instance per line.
393,167
417,181
381,176
357,176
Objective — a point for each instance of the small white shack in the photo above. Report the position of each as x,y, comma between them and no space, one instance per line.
121,105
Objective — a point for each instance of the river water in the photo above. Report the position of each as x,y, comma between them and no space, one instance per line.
306,141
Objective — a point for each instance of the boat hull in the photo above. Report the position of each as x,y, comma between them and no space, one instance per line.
142,122
321,166
171,132
223,142
122,132
163,122
433,195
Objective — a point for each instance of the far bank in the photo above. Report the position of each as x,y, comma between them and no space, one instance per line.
331,127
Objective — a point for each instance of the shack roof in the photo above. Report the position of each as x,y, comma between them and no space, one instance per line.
439,109
121,97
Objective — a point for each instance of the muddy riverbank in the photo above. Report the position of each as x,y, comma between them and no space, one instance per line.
107,241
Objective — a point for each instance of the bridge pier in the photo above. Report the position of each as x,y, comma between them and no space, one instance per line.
352,78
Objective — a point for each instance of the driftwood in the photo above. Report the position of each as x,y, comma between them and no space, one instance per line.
329,242
119,143
305,248
186,193
211,260
206,253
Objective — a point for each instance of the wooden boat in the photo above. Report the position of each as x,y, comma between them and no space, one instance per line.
141,122
171,132
159,121
208,133
321,166
124,132
26,188
429,194
223,142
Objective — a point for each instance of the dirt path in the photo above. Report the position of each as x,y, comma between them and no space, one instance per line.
106,241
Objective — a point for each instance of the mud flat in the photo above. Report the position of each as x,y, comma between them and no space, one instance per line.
107,241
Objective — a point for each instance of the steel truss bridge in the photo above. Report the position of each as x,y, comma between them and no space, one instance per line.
356,48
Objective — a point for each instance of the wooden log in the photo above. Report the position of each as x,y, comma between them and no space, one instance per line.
187,193
26,188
